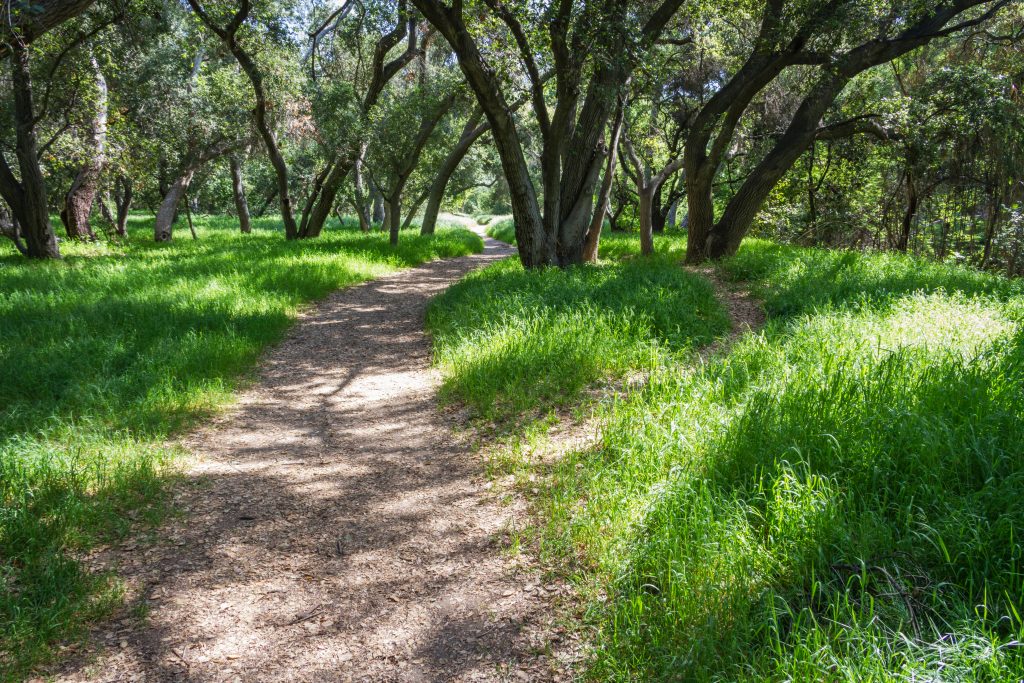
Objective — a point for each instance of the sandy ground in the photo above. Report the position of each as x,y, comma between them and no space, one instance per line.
333,527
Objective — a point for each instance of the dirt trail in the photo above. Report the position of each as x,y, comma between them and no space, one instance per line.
333,529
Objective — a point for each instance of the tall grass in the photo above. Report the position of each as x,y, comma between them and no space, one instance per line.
511,342
104,356
838,497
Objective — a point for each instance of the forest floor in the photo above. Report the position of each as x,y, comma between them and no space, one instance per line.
334,527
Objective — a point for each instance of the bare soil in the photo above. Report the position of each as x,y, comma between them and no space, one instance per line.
333,528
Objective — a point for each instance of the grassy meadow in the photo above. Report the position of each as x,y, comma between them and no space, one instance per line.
106,355
839,496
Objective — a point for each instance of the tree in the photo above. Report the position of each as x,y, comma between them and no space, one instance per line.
79,199
26,193
591,49
228,33
834,41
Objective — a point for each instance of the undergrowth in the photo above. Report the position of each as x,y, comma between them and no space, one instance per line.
105,355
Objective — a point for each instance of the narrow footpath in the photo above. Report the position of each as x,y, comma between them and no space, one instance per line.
333,528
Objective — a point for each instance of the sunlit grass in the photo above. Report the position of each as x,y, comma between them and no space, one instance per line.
104,356
838,497
511,341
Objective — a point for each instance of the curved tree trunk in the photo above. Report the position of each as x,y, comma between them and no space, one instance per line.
238,189
27,197
163,229
79,199
124,192
471,132
593,240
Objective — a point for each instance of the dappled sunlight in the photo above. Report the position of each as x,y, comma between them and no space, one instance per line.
107,354
333,506
835,492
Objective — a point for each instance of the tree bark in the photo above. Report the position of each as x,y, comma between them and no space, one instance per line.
164,227
238,189
394,212
470,134
360,199
27,197
907,224
647,185
10,229
124,192
79,199
593,239
379,209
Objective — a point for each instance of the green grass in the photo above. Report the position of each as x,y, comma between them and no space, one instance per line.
107,354
614,246
504,230
839,497
512,342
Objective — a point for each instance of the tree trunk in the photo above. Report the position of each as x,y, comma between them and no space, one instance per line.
907,225
658,210
291,230
444,174
27,199
379,210
723,238
323,201
394,212
360,196
990,229
592,242
34,20
411,215
646,196
10,229
238,189
124,192
79,199
164,227
673,210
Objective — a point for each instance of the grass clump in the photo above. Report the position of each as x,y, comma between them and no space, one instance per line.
511,341
105,355
840,497
504,230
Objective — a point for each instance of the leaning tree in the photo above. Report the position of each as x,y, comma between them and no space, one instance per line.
832,41
26,191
